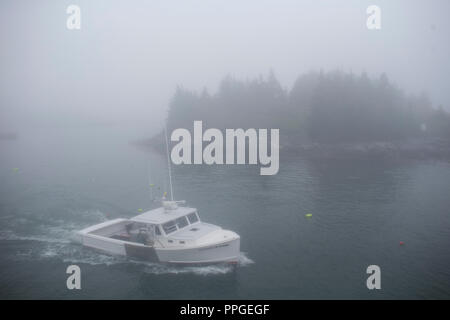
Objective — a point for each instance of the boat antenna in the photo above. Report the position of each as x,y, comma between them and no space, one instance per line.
150,181
168,162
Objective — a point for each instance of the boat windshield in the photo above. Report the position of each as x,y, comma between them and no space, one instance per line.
192,217
181,222
169,227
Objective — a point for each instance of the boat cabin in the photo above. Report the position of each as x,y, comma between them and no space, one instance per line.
166,222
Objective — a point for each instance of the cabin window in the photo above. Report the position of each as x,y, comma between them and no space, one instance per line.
181,222
157,231
169,227
192,217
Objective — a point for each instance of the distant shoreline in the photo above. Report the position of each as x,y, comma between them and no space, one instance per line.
418,149
429,148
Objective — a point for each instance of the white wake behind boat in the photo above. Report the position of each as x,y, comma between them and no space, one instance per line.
171,233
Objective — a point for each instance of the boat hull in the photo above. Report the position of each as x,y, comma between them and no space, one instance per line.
226,251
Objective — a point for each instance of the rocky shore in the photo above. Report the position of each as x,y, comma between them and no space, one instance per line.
413,148
424,148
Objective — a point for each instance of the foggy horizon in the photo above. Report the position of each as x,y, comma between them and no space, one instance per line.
123,66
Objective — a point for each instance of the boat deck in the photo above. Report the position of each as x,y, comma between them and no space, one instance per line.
194,231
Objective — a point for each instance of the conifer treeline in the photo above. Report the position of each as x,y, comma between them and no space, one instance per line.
322,107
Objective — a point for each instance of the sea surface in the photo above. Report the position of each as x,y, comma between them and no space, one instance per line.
56,181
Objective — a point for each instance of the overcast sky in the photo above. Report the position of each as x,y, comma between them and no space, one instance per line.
122,67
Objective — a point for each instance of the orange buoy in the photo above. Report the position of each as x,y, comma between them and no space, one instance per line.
402,243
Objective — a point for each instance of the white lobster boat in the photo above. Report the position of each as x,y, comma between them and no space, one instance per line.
171,233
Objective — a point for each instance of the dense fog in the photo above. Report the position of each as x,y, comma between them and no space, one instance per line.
123,66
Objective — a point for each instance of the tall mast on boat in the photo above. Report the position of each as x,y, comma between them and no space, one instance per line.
168,162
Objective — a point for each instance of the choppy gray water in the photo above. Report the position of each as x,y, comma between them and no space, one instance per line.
361,209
